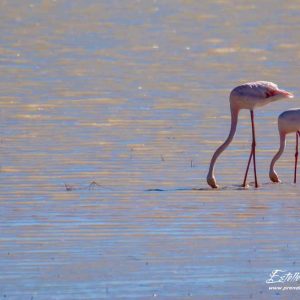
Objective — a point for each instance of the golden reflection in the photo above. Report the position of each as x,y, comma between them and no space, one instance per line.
110,112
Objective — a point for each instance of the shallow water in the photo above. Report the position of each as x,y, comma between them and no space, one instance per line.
110,112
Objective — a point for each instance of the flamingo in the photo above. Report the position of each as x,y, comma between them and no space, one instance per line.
247,96
288,122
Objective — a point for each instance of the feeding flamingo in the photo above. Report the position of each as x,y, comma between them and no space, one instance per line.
247,96
288,122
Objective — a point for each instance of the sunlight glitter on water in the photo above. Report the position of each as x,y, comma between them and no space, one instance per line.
110,113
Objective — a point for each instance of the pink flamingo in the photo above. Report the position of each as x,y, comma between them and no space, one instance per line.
288,121
247,96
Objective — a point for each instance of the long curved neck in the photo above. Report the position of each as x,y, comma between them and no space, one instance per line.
279,153
234,120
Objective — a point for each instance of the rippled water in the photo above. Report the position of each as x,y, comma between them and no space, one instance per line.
110,112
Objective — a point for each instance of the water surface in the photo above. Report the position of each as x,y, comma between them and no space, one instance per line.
110,113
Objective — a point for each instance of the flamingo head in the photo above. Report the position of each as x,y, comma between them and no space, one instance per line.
211,180
274,177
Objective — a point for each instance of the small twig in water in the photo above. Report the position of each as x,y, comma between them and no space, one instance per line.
91,186
69,187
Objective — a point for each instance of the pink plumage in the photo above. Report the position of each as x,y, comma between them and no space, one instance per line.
247,96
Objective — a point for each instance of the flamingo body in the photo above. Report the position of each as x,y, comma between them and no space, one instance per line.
289,121
256,94
247,96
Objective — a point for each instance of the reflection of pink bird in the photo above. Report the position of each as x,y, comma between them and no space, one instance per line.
247,96
288,121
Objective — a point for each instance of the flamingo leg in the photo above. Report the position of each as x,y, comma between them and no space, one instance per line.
247,169
253,147
252,154
296,156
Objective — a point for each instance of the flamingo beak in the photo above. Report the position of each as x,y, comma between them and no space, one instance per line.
284,93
